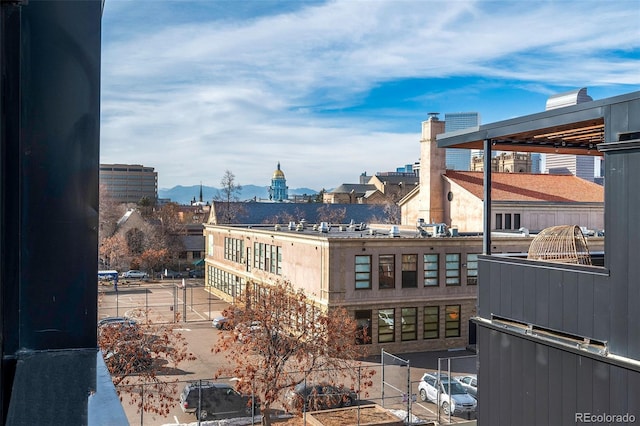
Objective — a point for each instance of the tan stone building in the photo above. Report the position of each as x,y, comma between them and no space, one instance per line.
411,293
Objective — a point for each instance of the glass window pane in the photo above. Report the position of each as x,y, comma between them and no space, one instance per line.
452,321
431,322
430,269
409,323
386,320
386,271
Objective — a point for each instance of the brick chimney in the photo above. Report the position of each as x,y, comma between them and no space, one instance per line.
432,167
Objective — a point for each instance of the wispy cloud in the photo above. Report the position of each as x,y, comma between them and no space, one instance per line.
196,88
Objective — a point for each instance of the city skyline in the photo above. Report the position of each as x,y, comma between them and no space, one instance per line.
334,89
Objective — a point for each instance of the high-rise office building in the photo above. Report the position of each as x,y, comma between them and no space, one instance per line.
459,159
127,183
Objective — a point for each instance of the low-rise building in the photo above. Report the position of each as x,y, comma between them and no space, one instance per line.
410,292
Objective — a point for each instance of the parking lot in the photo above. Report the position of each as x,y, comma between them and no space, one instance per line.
196,307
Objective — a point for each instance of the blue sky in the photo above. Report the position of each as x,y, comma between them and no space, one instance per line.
334,89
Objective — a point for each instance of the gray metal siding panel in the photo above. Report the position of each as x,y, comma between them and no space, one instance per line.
507,281
529,295
584,398
570,302
601,391
556,301
569,375
555,382
527,383
542,296
633,253
485,270
541,371
601,306
585,308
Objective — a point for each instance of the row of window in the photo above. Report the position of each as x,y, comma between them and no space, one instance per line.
267,257
507,221
233,249
409,276
226,282
408,319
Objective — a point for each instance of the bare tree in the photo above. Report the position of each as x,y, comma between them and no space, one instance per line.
110,211
281,338
136,354
114,252
332,215
229,197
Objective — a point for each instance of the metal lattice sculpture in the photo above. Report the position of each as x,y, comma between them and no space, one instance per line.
563,244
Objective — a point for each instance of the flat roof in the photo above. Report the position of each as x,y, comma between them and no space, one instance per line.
575,129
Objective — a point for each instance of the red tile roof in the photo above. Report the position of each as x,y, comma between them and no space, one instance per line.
530,187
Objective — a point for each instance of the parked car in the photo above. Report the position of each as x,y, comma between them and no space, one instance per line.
208,400
117,321
319,396
134,273
221,323
198,273
246,330
171,274
470,384
434,389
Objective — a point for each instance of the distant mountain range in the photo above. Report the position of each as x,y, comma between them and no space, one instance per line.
185,194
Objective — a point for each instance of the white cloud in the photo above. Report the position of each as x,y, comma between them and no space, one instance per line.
203,95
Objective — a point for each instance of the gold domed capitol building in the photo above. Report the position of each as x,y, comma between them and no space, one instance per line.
278,191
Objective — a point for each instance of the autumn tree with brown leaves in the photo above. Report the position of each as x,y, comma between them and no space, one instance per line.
138,355
279,338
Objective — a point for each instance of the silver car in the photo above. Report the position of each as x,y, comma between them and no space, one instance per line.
470,384
434,389
134,273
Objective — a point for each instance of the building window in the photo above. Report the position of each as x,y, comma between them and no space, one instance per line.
430,270
363,272
452,321
431,322
385,325
233,249
387,270
453,269
267,257
409,270
516,221
409,324
363,332
472,268
507,221
498,220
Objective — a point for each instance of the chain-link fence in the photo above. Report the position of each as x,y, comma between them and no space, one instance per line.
161,301
394,394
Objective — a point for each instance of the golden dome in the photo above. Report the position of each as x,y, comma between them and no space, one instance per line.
278,174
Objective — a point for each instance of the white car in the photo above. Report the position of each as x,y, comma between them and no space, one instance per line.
437,390
470,384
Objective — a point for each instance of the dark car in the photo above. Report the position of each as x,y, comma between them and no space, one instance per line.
172,274
319,396
198,273
117,322
216,401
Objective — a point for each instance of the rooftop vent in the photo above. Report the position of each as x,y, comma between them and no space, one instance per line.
394,232
324,227
573,97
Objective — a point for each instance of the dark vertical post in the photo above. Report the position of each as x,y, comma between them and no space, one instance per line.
486,232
